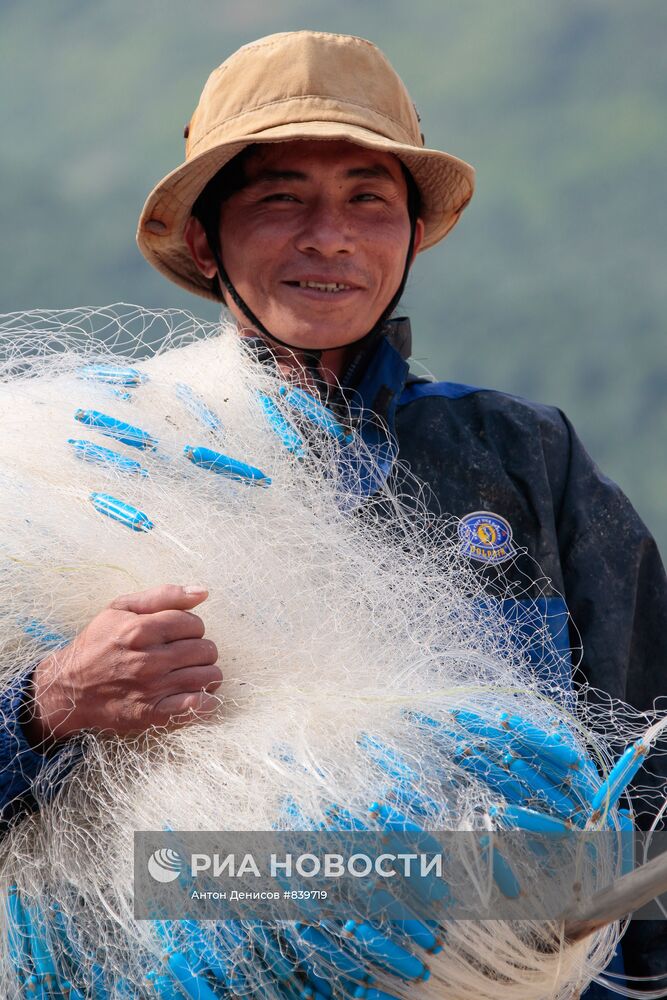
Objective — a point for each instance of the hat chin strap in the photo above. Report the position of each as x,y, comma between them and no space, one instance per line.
312,354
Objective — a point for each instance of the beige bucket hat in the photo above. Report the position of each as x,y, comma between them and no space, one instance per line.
297,85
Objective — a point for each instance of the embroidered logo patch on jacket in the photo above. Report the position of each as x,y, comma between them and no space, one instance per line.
486,537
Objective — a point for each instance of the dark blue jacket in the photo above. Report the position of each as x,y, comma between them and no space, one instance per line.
522,465
581,547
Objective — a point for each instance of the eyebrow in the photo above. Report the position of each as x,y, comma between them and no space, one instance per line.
266,176
377,171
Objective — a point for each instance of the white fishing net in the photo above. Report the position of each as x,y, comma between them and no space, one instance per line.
338,617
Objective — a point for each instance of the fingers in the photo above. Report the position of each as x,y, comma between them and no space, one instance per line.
168,626
179,709
188,679
142,667
167,597
180,655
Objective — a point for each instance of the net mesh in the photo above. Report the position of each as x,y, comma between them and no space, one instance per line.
340,619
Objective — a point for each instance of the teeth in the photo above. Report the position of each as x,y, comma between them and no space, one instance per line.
322,287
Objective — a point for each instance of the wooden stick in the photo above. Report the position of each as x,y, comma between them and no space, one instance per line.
627,894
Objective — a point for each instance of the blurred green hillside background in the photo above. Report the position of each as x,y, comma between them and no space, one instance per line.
553,285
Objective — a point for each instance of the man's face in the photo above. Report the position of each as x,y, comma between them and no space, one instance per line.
315,242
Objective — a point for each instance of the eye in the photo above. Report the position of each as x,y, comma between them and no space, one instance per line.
280,196
367,196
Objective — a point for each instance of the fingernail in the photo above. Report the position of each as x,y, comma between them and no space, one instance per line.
195,588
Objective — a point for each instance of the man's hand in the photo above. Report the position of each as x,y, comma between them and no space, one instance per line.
141,662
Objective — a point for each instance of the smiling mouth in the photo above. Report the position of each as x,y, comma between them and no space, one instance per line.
321,286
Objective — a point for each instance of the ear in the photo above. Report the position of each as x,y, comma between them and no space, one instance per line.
419,236
195,237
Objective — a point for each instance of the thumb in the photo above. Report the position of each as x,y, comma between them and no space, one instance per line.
167,597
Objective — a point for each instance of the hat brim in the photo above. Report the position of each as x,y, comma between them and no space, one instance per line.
446,185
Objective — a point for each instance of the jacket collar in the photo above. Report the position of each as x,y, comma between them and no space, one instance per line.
381,370
385,373
372,402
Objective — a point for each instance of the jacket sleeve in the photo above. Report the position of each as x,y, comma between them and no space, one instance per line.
19,763
616,591
28,778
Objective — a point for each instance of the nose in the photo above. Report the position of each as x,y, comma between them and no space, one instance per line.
325,231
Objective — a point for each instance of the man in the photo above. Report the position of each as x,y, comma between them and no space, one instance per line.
306,193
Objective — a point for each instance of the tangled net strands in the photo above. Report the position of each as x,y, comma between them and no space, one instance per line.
370,682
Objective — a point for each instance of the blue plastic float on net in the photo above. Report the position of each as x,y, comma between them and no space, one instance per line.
202,957
162,986
223,465
626,825
342,819
127,434
385,907
531,821
304,956
364,993
264,941
391,762
533,761
501,870
122,512
190,965
571,781
404,791
18,932
195,405
178,966
428,887
618,779
474,723
325,946
388,953
71,992
292,441
471,757
542,788
549,752
193,985
540,742
42,960
268,947
98,990
44,634
467,757
503,876
112,374
391,818
87,451
318,414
